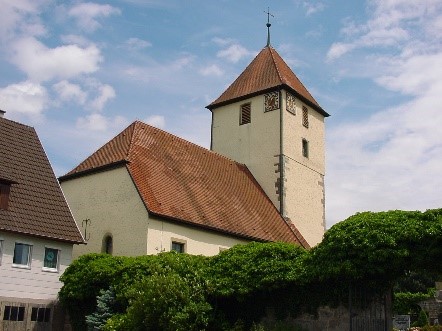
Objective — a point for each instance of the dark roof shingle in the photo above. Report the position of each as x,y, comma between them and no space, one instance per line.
36,203
184,182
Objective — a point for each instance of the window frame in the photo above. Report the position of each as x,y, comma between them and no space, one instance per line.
20,313
305,148
179,243
57,263
29,259
245,119
46,314
305,121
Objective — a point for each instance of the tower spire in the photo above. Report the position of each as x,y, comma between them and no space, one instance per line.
268,25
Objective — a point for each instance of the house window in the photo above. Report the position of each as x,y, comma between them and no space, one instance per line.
4,195
22,255
51,258
305,116
107,246
304,148
178,247
14,313
41,314
245,114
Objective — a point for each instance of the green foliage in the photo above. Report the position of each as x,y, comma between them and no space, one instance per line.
379,246
246,269
173,291
422,320
166,303
405,303
105,310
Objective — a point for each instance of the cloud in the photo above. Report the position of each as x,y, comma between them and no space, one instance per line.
70,92
234,53
41,63
105,93
24,98
135,44
211,70
21,17
312,7
157,121
390,159
99,122
88,13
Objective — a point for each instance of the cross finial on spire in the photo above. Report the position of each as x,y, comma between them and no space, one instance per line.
268,25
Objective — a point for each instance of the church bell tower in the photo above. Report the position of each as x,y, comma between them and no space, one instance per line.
268,120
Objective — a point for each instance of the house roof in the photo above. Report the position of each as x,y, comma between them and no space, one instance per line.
189,184
36,203
266,72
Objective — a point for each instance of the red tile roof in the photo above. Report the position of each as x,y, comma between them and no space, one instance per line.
189,184
36,203
266,72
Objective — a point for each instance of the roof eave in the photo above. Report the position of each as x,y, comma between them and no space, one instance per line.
92,170
70,241
318,108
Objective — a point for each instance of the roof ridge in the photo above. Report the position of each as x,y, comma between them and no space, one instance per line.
275,64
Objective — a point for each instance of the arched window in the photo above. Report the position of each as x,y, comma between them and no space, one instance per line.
107,246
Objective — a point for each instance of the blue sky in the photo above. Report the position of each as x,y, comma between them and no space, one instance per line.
80,72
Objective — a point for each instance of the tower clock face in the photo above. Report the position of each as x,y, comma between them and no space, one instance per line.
271,101
291,103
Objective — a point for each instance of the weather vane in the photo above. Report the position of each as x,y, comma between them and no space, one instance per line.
268,25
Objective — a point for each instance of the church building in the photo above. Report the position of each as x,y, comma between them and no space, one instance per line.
147,191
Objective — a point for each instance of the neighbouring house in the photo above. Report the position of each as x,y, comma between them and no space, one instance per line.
37,232
148,191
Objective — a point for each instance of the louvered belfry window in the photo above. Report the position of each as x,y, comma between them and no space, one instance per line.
305,116
245,115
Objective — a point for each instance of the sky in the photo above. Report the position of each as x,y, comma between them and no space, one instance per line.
80,72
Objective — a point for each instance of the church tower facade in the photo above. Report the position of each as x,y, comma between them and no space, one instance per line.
267,120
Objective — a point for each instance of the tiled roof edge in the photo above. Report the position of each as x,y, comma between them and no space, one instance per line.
93,170
45,237
278,87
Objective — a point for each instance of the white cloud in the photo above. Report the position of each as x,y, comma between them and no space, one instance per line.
211,70
313,7
98,122
157,121
135,44
88,13
41,63
75,40
21,17
70,92
24,98
105,93
391,159
234,53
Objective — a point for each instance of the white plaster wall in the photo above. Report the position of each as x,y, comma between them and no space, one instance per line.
258,145
197,241
255,144
112,203
33,282
304,185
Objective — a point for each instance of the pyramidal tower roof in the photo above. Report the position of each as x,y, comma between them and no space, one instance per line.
267,72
